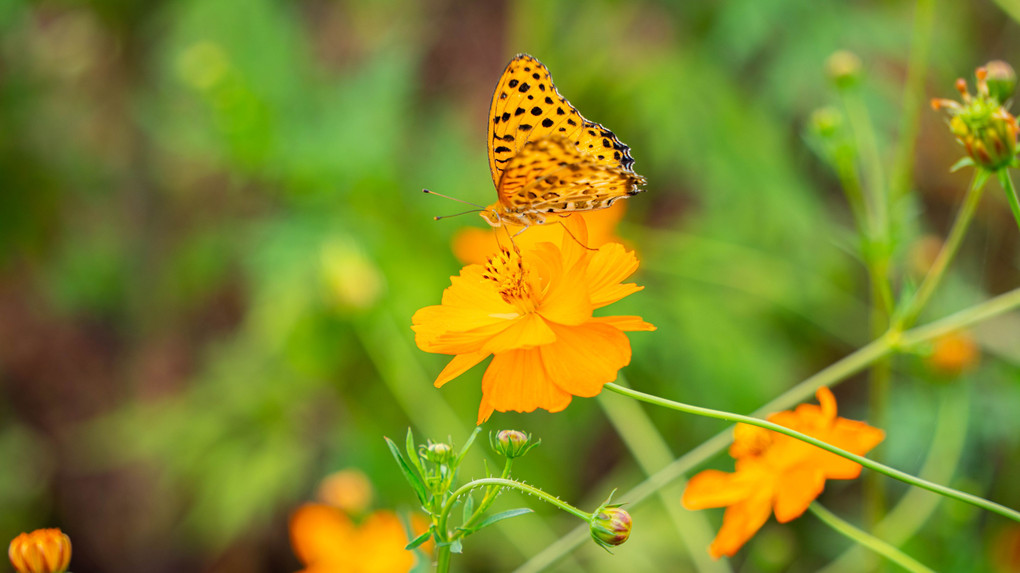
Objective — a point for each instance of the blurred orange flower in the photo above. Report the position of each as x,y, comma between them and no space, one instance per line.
42,551
953,354
533,312
327,541
775,472
347,489
474,244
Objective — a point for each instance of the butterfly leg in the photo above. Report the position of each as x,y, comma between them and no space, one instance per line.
565,228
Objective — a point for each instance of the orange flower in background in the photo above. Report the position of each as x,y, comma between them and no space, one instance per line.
953,354
533,313
42,551
474,245
327,541
777,473
347,489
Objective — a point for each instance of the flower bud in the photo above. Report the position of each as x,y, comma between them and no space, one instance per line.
844,69
42,551
826,121
1001,81
512,443
987,131
438,453
610,526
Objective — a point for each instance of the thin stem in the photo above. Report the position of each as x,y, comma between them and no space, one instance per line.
488,498
443,555
866,539
949,248
828,376
872,465
502,482
913,95
652,453
1007,185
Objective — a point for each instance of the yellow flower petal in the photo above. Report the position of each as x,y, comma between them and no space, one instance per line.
795,492
320,533
516,380
584,358
740,522
625,323
610,265
459,365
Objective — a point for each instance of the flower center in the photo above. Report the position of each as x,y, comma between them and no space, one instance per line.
512,278
750,441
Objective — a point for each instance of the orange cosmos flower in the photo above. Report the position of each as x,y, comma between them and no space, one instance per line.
532,311
42,551
474,245
778,473
327,541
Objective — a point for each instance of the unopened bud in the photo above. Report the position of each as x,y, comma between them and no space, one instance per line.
610,526
438,453
1001,81
826,121
512,443
844,69
42,551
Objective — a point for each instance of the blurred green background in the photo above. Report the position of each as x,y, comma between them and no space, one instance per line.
213,237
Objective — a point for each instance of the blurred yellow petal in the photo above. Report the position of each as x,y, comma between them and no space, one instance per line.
320,533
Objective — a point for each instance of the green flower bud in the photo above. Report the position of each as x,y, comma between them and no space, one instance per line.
826,121
1001,81
844,69
512,443
610,526
438,453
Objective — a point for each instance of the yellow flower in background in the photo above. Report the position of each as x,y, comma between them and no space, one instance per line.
325,540
777,473
474,245
533,312
42,551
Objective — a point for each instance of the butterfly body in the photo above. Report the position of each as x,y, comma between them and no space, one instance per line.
545,157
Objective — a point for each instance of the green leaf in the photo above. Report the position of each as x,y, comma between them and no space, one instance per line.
456,546
500,517
469,506
412,452
412,478
964,162
467,444
419,540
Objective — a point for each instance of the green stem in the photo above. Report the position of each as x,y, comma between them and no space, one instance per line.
949,248
872,465
828,376
652,453
1007,185
488,498
503,482
867,540
913,95
443,555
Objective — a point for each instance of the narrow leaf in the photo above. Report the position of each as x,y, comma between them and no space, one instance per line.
412,452
469,507
501,516
419,540
412,478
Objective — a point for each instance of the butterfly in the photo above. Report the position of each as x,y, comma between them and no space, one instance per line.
545,157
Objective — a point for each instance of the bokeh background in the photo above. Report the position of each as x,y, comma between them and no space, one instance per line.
213,237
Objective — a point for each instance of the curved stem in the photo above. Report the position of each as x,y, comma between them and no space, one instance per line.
866,539
503,482
949,248
828,376
443,559
1007,185
872,465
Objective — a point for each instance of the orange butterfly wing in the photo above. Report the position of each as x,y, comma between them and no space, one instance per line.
527,108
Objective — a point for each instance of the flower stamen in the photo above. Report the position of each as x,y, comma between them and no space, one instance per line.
512,279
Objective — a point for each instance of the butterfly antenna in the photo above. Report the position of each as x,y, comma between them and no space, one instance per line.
575,238
480,208
439,217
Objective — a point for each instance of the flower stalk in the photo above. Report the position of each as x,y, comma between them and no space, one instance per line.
867,540
872,465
